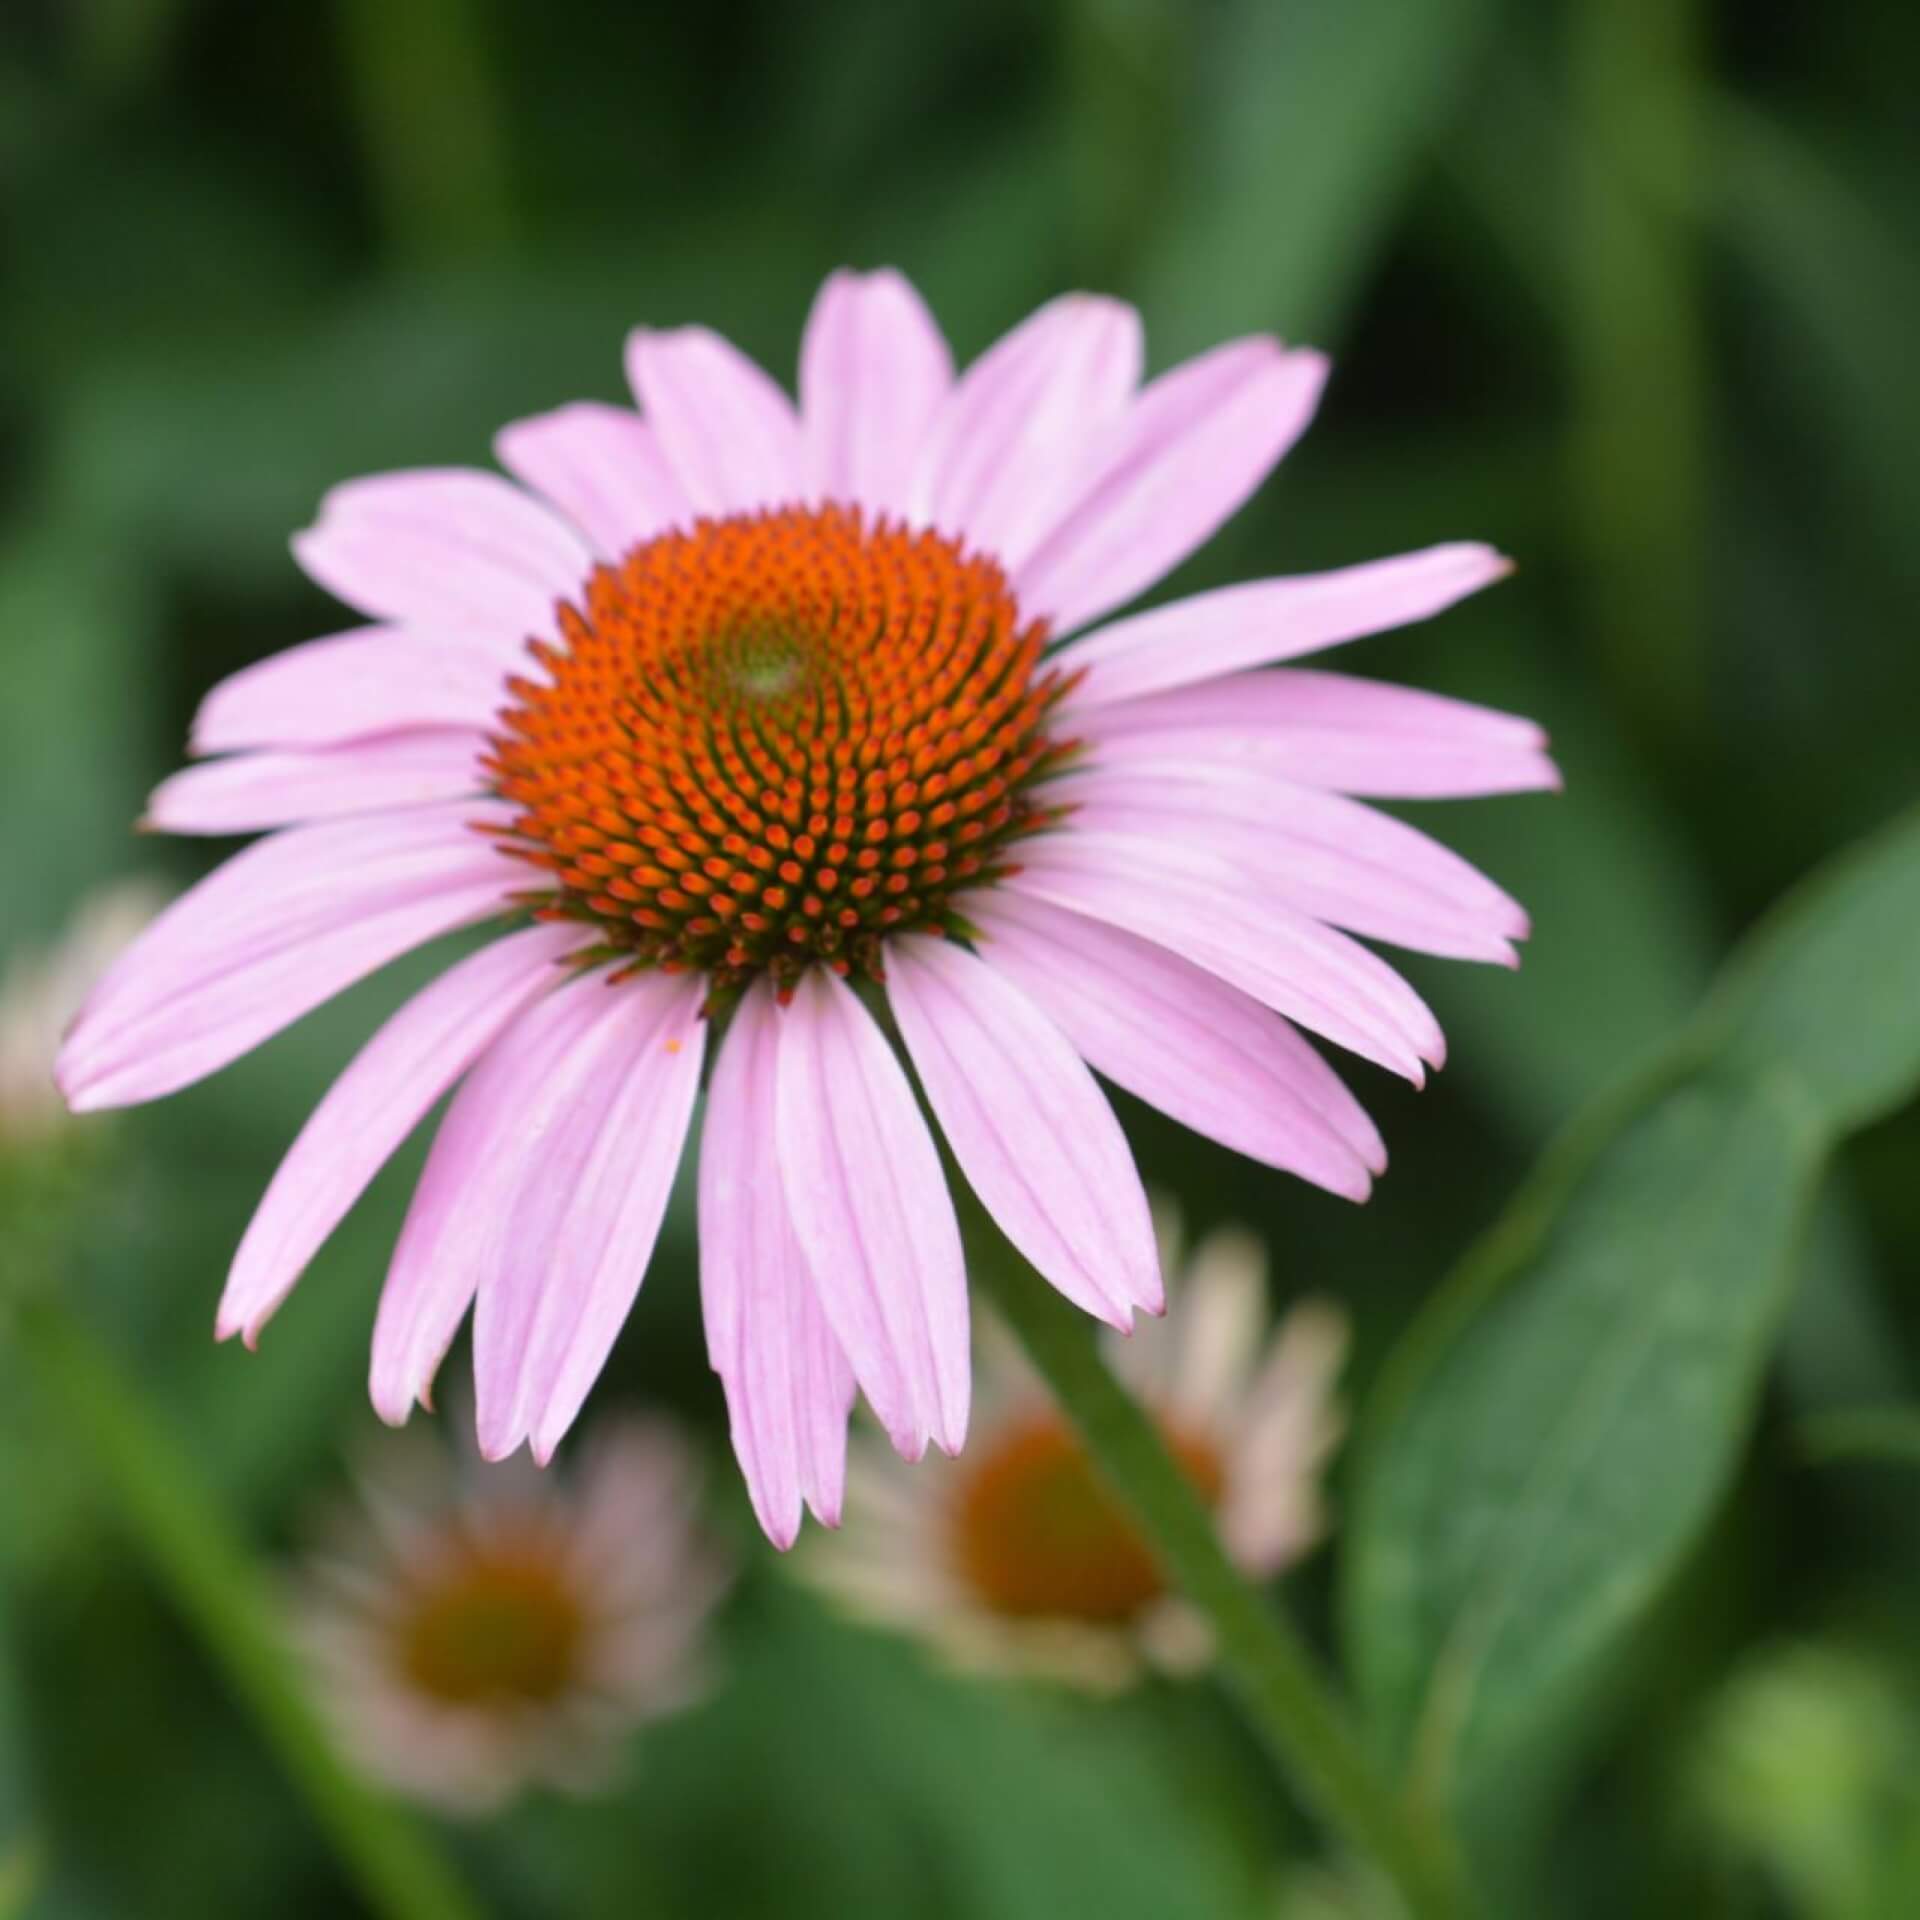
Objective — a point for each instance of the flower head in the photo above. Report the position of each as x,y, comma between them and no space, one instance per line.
41,992
474,1632
736,720
1016,1558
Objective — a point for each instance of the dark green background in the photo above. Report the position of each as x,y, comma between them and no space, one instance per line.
1625,286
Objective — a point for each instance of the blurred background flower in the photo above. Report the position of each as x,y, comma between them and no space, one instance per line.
1016,1558
475,1631
40,992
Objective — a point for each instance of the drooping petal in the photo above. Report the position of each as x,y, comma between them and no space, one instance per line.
1184,1041
581,1226
874,368
1271,1511
1031,1130
788,1385
872,1214
350,686
1008,445
1186,455
1328,730
446,547
255,791
282,926
1263,621
373,1106
456,1225
601,467
1219,1330
728,432
1321,853
1199,906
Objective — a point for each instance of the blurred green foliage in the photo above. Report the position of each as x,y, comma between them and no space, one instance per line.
1623,285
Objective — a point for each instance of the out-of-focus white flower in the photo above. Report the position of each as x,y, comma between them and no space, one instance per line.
40,992
1015,1558
475,1630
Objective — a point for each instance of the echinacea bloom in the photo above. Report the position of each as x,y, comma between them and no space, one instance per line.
40,992
1016,1559
473,1633
733,716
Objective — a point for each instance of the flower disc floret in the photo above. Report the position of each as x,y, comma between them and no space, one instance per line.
777,738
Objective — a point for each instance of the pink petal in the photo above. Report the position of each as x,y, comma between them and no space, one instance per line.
1199,906
1032,1132
456,1226
1007,447
788,1385
1261,621
1328,730
872,1214
1321,853
447,547
601,467
374,680
282,926
254,791
1183,1041
582,1227
372,1108
727,431
874,368
1189,451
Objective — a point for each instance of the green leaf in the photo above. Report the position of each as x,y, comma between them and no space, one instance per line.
1888,1436
1559,1426
1315,121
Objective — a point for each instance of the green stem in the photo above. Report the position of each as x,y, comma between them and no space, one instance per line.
217,1588
1271,1670
1639,359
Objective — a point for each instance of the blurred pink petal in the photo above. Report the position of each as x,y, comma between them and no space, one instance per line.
519,1090
255,791
1008,445
445,546
729,434
1262,621
871,1212
375,680
1199,907
874,369
601,467
580,1230
1184,458
1185,1042
380,1098
1032,1132
279,928
1328,730
788,1385
1333,858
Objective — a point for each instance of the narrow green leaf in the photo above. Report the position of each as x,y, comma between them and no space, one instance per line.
1316,120
1557,1429
1828,986
1887,1435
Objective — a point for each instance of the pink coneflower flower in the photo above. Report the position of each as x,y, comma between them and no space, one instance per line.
1016,1559
475,1633
40,991
749,713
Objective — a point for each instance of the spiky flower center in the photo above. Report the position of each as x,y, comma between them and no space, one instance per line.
777,738
492,1623
1035,1535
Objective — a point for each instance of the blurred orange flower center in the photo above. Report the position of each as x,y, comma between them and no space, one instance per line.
1036,1535
777,738
493,1626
